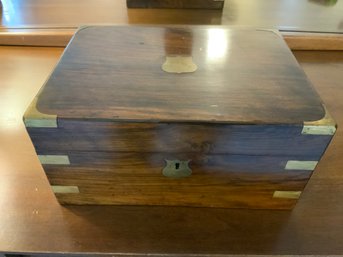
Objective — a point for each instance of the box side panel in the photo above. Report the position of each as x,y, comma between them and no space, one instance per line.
215,180
273,140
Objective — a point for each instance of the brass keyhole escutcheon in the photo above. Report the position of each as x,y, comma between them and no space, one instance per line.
177,169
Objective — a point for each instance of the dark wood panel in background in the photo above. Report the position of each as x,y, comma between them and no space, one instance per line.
195,4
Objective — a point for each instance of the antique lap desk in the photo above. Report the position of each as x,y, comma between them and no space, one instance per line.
185,116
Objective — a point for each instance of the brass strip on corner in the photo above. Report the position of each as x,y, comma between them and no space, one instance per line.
54,159
324,126
301,165
65,189
287,194
35,119
318,130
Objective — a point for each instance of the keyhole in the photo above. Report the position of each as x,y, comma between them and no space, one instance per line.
177,169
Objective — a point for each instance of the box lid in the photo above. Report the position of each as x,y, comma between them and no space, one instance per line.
178,74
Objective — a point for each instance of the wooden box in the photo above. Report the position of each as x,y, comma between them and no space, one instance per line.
185,116
183,4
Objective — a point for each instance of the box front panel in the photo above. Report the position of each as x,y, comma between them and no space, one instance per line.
182,164
234,181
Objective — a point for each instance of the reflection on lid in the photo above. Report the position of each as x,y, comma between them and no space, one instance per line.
217,45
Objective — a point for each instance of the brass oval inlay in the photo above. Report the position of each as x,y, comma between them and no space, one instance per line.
179,64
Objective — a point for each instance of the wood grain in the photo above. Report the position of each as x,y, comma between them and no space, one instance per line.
142,163
233,190
95,80
216,180
178,138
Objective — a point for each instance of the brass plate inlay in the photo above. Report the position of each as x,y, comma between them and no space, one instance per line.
54,159
324,126
65,189
301,165
179,64
35,119
318,130
287,194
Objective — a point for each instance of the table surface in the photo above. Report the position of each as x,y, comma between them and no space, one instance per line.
293,15
32,221
53,22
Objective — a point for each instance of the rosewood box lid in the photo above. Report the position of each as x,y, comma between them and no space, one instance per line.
178,74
